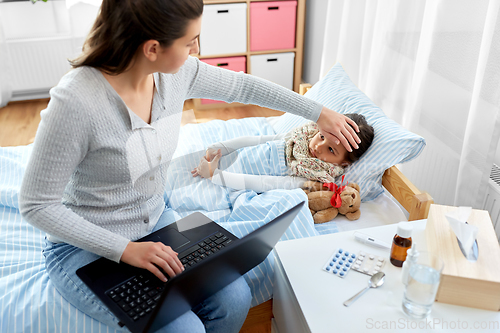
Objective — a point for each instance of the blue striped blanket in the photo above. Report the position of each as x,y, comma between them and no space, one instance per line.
28,300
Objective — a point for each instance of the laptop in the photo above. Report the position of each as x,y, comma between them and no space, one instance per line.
212,256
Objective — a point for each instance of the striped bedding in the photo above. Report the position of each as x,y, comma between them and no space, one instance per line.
28,300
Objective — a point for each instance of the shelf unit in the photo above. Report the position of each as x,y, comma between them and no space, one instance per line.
298,50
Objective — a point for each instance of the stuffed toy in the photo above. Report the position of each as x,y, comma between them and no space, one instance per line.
327,200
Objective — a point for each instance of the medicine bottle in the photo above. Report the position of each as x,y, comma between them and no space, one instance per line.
401,243
411,258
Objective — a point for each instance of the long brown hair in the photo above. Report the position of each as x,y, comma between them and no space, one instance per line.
122,26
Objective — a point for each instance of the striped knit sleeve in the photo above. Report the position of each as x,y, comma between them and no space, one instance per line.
221,84
61,143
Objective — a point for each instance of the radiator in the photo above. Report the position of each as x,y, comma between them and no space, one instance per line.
492,202
38,65
38,40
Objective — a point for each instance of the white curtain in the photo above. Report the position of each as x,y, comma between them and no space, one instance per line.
434,67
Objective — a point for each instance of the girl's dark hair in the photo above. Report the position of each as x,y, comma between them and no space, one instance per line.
366,134
122,26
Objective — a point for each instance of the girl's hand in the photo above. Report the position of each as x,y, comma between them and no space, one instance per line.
206,169
148,254
211,153
338,128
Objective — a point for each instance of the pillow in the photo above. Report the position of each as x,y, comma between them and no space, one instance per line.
391,145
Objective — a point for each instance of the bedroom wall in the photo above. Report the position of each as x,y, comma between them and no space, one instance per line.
5,92
314,39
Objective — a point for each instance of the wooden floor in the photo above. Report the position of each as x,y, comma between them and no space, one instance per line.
19,122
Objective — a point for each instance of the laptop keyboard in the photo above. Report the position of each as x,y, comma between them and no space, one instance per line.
139,295
203,249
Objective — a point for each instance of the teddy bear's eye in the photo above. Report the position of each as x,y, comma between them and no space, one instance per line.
350,206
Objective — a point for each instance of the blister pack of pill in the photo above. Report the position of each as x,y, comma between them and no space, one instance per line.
340,263
367,263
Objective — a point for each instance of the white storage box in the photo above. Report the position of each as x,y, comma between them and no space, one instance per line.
277,67
224,29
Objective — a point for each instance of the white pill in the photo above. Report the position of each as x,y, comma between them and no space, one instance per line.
379,264
372,256
366,269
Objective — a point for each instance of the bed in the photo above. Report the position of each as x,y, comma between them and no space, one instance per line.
30,303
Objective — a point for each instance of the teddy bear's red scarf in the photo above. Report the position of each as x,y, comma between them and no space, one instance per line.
336,201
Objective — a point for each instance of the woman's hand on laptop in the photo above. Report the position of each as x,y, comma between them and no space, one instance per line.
150,256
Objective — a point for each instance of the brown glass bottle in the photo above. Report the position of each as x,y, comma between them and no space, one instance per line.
400,244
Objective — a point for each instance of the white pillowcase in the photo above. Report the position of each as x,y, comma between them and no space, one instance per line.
392,143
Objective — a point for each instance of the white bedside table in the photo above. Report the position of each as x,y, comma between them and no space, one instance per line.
307,299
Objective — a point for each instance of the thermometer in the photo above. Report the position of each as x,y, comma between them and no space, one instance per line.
365,239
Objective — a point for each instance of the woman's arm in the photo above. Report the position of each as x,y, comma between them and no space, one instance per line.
61,143
218,83
222,84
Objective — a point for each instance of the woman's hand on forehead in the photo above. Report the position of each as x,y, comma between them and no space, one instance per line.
338,128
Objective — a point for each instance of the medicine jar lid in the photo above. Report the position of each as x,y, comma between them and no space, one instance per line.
404,229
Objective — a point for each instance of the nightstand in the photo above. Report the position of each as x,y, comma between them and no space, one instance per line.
307,299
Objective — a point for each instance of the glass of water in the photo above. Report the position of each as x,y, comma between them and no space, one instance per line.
423,283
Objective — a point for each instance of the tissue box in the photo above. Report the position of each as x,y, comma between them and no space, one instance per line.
473,284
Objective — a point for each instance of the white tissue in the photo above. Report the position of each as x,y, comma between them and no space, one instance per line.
465,233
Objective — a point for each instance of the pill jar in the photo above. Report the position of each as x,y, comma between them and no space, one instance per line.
401,243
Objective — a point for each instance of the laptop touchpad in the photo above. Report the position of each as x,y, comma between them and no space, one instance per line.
173,238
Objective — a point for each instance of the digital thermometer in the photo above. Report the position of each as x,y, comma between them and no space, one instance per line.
365,239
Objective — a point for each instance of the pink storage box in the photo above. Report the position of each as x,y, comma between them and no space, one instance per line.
237,64
272,25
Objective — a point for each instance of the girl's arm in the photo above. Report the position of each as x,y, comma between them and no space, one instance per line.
257,183
215,151
231,145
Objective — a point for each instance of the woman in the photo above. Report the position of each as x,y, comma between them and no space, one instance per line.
95,179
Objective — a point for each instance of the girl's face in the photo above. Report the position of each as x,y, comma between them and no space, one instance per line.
174,56
325,150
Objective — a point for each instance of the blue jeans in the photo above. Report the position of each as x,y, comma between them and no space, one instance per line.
224,311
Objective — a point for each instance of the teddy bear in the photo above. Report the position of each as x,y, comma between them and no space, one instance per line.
327,200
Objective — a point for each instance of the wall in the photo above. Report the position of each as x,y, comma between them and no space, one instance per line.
314,39
5,91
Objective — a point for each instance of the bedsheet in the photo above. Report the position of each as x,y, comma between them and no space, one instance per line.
30,303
